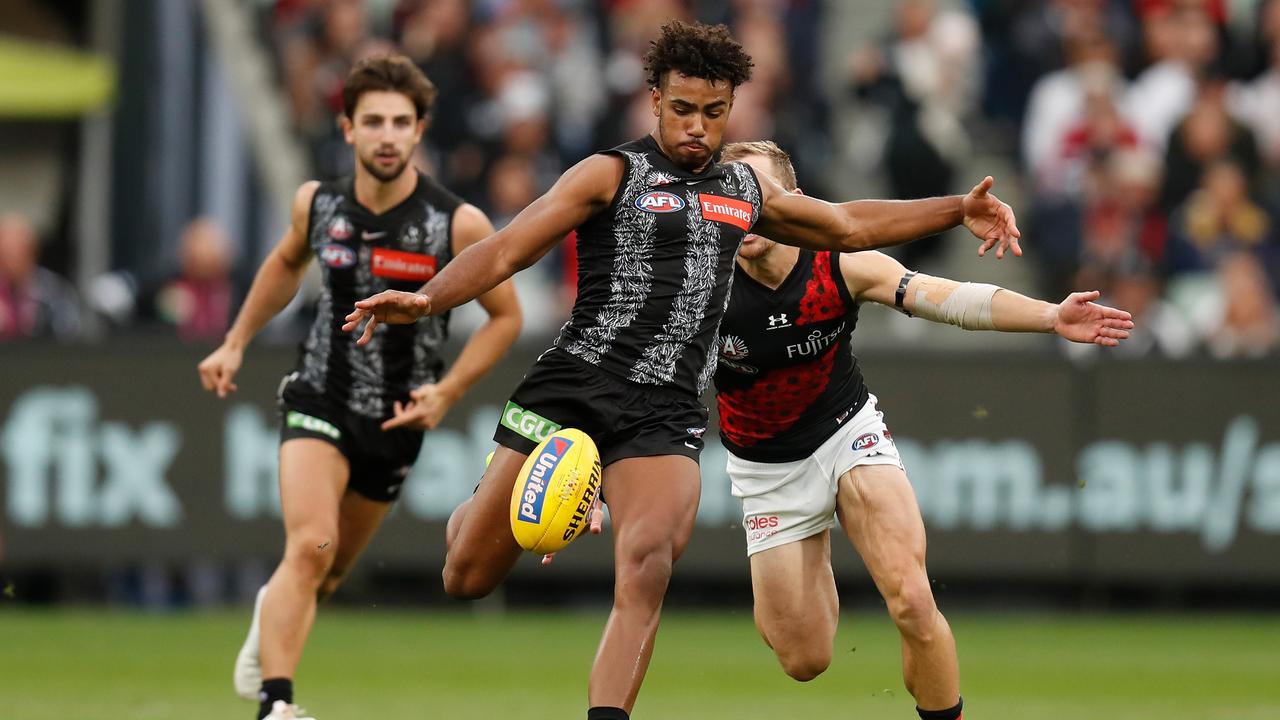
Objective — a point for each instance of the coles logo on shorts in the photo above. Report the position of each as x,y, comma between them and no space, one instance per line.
659,201
761,522
726,210
866,441
337,256
400,265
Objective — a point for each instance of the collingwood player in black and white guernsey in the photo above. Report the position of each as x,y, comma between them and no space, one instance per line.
807,444
659,221
353,417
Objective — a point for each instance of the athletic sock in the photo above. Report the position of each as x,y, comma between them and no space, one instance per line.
607,713
274,689
953,713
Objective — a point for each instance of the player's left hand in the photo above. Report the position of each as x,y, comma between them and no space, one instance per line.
389,306
990,220
596,525
425,409
1084,321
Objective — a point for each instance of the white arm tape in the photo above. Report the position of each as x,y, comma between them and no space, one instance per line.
968,305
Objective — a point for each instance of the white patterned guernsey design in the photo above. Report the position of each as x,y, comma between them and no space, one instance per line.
315,361
658,364
632,276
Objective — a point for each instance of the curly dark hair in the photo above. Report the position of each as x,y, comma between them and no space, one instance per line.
701,51
394,73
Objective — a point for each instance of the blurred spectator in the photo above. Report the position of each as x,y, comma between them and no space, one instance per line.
1182,43
1218,219
1206,135
512,186
198,301
1246,323
1058,102
927,77
1257,104
34,302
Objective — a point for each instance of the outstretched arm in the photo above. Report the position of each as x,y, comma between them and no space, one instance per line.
876,277
869,224
584,190
429,403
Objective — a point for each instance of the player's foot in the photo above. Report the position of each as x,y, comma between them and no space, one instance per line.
248,671
282,710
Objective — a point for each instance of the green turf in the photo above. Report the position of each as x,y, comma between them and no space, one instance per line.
88,665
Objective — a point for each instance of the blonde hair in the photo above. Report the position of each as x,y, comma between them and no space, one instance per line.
785,173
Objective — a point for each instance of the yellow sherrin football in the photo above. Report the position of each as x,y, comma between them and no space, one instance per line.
551,502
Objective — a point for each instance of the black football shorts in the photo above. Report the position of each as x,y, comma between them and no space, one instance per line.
380,460
625,419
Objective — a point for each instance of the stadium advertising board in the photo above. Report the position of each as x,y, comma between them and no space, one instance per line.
1038,470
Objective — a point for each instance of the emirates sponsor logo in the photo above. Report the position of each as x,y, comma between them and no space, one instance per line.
726,210
399,265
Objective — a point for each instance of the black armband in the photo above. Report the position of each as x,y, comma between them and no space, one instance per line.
902,292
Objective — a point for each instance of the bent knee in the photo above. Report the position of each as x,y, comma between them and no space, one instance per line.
312,554
644,574
463,582
805,664
913,609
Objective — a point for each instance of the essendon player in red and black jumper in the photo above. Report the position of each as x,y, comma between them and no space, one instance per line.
787,376
807,443
658,222
353,418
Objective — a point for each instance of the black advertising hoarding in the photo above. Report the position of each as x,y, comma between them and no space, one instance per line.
1026,467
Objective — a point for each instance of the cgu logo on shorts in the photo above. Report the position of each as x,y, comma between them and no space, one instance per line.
526,423
658,201
535,486
866,441
337,256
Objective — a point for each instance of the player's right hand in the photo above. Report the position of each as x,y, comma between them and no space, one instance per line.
596,525
389,306
219,370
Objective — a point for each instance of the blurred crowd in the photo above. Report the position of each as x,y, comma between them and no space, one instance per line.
1146,134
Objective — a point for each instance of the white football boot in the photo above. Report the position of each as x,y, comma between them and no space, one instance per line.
247,675
281,710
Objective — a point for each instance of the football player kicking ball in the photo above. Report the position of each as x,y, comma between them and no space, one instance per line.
353,418
807,444
659,221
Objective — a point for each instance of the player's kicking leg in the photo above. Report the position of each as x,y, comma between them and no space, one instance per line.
878,510
796,605
652,505
481,548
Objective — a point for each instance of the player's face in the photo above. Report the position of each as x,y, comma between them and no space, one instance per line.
754,246
692,113
383,131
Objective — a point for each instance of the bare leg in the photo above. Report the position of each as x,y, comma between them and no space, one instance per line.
482,549
313,476
652,503
358,519
796,605
879,512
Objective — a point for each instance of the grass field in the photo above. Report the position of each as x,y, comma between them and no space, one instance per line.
89,665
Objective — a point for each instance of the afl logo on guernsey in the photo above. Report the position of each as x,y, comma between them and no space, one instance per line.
338,256
340,228
658,201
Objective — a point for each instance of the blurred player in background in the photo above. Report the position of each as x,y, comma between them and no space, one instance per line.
659,221
807,444
353,418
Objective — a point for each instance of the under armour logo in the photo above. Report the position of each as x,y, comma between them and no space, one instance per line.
778,321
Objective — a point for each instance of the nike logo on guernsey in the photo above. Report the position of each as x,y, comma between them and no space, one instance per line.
370,236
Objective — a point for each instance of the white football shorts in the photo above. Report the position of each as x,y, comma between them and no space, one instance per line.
790,501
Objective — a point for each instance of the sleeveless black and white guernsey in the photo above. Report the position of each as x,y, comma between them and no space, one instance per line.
655,268
787,376
362,254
